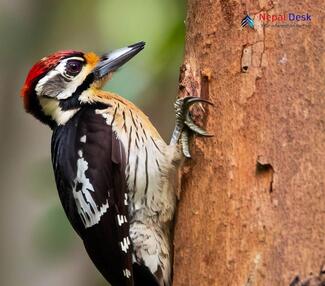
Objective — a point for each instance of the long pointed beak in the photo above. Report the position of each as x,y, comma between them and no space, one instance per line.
112,61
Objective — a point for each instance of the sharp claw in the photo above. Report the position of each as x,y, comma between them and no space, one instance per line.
185,144
189,100
183,118
198,130
191,125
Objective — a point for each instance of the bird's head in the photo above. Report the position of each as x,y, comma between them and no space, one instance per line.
58,85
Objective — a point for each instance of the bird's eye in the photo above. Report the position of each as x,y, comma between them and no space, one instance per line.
73,67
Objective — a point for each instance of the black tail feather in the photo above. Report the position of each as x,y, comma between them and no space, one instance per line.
143,277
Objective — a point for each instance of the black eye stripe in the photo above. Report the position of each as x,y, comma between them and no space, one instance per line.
73,101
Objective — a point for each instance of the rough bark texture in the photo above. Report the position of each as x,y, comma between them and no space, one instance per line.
252,207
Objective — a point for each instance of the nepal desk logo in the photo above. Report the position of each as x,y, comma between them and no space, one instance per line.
247,20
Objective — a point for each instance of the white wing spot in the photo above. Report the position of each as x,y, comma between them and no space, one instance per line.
89,212
83,139
121,219
125,199
127,273
125,244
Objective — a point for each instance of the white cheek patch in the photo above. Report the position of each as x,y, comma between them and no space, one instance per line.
70,85
40,85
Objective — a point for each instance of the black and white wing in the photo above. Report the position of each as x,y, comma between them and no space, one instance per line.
89,165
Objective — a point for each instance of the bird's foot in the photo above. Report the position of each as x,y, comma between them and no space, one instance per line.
184,123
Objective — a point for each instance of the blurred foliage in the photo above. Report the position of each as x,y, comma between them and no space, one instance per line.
31,29
40,178
52,234
164,37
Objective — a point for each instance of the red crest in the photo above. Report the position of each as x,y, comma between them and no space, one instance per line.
41,68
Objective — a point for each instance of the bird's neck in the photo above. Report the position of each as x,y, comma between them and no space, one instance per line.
61,111
51,107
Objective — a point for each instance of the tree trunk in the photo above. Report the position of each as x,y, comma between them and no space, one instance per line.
252,206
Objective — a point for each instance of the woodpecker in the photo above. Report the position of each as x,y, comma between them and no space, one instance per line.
114,173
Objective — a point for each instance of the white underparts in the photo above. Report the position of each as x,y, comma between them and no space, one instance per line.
150,179
89,212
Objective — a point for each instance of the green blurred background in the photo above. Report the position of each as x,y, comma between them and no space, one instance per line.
38,246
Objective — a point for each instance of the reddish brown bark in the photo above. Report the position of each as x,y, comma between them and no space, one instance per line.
252,208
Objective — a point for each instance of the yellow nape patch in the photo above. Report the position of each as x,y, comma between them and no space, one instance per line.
91,58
